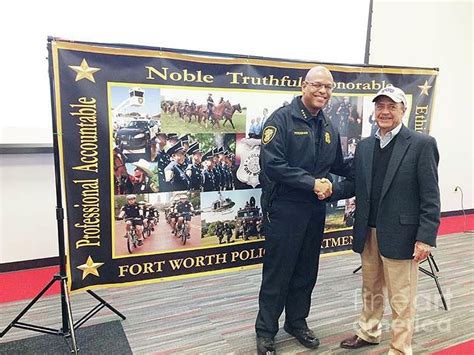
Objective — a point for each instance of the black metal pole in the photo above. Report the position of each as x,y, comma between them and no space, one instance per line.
369,31
59,207
66,311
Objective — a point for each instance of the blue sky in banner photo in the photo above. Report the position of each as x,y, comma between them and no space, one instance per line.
316,30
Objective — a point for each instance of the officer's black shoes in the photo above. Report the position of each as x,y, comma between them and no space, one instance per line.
265,346
304,335
140,242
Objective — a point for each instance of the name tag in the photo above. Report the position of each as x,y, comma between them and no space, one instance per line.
300,133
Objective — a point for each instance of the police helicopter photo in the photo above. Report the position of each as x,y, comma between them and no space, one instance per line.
221,205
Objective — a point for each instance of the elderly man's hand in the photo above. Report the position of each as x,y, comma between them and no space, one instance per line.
322,188
422,251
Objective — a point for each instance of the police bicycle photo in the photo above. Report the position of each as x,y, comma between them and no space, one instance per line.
132,237
182,230
147,228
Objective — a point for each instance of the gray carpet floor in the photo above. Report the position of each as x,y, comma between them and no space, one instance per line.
216,314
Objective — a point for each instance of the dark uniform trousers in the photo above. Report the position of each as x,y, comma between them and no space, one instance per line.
291,263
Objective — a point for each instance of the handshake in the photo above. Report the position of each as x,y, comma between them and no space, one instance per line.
322,188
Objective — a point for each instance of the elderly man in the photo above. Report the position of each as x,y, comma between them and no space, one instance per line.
300,147
396,219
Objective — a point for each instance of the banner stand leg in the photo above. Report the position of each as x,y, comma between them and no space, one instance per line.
68,326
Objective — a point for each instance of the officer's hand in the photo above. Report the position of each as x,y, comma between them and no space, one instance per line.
322,188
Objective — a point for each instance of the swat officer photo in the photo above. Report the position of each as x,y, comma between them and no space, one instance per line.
300,148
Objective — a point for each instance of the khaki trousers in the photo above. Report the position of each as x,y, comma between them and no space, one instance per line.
399,278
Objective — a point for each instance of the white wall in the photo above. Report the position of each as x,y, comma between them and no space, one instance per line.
27,208
436,34
305,31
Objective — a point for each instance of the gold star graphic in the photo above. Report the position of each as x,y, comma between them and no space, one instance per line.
90,267
424,88
84,71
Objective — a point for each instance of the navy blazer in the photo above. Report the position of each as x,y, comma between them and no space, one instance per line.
409,207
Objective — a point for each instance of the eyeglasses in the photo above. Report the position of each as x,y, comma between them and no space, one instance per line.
316,85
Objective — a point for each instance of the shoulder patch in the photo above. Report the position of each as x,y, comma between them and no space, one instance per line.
327,137
268,134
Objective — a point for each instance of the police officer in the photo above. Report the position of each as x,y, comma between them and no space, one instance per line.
228,231
185,142
343,112
133,216
224,183
175,172
183,210
219,231
194,170
162,159
208,177
151,215
227,169
300,147
210,106
218,173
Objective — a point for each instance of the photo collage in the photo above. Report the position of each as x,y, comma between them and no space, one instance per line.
185,166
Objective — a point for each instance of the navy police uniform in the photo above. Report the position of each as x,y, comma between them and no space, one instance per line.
132,212
163,159
208,180
229,179
296,149
179,181
194,171
182,207
220,177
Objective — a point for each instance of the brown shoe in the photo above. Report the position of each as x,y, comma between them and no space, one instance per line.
355,342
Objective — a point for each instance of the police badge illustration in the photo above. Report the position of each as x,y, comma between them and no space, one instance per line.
248,150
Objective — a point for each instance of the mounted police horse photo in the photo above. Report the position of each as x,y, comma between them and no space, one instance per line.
189,111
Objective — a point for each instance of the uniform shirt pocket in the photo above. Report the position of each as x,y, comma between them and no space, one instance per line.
300,152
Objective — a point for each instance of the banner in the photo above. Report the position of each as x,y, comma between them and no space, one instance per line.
181,132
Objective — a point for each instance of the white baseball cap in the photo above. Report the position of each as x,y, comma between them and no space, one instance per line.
396,94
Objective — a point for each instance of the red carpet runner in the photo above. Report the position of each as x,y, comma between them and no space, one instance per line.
26,284
463,348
